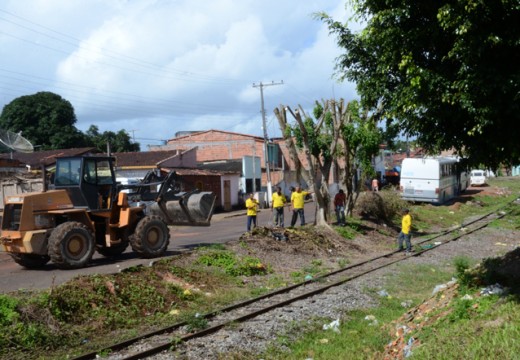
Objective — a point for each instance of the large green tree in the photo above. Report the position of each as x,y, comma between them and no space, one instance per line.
444,71
48,122
360,140
45,119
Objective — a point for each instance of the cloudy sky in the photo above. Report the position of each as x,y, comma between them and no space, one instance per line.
156,67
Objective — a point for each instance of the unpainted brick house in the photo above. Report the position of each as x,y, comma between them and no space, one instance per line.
220,146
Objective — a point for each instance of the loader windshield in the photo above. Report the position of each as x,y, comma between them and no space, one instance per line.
68,172
97,172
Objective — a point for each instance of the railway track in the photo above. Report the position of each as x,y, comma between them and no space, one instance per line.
167,338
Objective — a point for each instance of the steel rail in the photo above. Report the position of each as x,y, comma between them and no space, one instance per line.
253,314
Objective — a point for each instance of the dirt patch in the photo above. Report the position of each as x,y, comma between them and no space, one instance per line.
288,249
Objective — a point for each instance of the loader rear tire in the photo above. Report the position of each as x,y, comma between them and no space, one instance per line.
71,245
30,261
151,237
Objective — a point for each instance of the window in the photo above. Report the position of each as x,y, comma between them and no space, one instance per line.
68,172
97,172
104,172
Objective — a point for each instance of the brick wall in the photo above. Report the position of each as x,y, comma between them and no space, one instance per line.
219,145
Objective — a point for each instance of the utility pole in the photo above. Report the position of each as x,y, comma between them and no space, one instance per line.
266,152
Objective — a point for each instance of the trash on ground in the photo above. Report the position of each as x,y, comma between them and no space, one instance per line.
408,348
496,289
407,303
383,293
438,288
372,319
334,326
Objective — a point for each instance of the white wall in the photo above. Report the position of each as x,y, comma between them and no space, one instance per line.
234,181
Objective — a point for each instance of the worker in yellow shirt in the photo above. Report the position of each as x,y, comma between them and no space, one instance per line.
406,232
251,206
279,201
297,203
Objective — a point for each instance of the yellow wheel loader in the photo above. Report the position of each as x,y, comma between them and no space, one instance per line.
88,211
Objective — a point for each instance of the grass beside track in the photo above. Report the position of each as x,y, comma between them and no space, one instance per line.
90,312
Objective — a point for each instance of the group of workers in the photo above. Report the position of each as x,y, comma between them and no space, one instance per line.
278,203
298,195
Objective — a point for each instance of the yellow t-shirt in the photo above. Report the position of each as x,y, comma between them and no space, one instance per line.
298,199
406,224
251,205
279,200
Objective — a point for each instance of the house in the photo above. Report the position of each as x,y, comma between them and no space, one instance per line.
138,164
129,165
224,184
183,161
19,171
35,160
219,146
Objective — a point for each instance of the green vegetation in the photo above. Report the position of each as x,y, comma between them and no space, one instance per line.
49,120
469,326
489,334
75,317
383,206
427,217
90,312
231,264
351,230
361,332
442,71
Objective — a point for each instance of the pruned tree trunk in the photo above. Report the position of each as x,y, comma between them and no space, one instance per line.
317,160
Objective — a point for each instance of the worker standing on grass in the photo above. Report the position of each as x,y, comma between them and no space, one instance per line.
340,200
297,203
251,206
405,234
279,201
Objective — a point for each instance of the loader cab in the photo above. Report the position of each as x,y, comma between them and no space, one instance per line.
89,180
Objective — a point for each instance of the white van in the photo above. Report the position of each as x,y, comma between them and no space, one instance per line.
477,177
127,181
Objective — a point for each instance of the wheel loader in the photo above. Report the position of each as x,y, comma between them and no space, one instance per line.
88,211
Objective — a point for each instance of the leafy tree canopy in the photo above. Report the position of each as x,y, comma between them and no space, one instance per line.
444,71
48,121
119,142
45,119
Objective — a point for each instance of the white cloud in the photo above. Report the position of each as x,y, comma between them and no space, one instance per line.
158,67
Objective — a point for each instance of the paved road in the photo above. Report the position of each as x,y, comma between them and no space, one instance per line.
224,227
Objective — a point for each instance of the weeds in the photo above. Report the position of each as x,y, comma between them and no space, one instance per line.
347,232
196,322
233,265
462,264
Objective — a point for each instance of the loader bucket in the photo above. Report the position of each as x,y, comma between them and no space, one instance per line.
194,209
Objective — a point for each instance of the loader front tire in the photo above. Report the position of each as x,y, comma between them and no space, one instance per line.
151,237
30,261
71,245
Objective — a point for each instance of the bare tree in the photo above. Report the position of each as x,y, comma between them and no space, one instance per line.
316,139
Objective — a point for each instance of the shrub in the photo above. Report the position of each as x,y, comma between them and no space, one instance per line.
384,205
